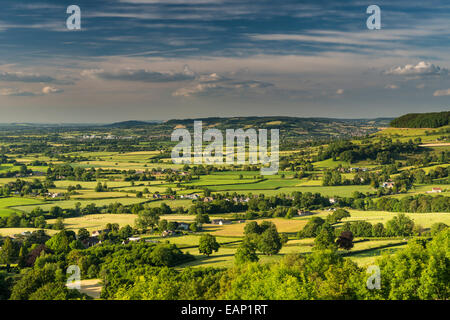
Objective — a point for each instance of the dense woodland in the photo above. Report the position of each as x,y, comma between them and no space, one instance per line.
422,120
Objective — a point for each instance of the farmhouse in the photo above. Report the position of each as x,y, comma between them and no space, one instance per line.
241,199
167,233
193,196
91,241
55,194
96,233
131,239
183,225
388,184
220,221
435,190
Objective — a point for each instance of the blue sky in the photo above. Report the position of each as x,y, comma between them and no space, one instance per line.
162,59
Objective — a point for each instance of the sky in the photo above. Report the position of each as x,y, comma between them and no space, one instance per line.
166,59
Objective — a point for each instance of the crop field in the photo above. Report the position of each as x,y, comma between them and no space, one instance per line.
404,134
329,164
423,219
151,188
270,184
237,229
100,195
7,167
310,182
97,221
68,204
8,232
91,184
172,203
219,181
4,212
111,164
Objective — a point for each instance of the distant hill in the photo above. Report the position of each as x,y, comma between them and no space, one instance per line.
131,123
292,129
276,122
422,120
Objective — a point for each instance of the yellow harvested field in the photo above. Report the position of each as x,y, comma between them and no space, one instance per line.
435,144
237,229
97,221
273,123
140,153
8,232
186,218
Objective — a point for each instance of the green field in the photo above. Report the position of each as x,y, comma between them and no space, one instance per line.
423,219
6,203
330,191
68,204
225,257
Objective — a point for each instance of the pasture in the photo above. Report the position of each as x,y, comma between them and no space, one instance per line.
426,220
69,204
224,258
7,203
330,191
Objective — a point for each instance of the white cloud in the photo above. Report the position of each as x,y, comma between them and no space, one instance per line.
15,92
50,90
381,38
141,75
441,93
210,77
421,69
